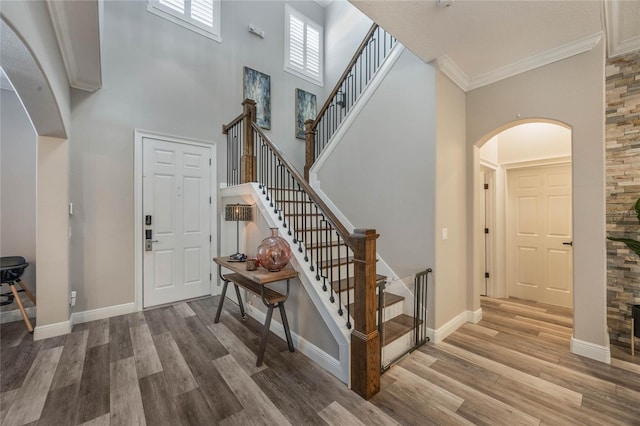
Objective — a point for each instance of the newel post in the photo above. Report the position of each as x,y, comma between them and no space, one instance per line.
248,161
310,147
365,339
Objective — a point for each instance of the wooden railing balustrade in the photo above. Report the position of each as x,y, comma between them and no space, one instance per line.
339,259
369,56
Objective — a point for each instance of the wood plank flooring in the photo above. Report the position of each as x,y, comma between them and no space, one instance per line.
173,366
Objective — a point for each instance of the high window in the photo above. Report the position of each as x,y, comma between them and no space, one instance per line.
201,16
303,46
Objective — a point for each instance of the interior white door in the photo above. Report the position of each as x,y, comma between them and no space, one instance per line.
539,235
176,195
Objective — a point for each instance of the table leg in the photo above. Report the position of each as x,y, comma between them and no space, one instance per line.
19,302
263,337
27,292
285,324
222,296
242,312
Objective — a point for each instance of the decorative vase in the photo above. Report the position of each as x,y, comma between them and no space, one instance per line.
274,252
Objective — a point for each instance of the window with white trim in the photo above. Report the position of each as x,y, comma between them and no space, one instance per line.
201,16
303,51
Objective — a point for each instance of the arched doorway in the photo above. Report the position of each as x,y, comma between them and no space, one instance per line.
25,65
525,180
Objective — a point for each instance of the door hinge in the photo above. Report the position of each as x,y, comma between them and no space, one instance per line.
209,200
486,275
210,277
209,161
486,230
486,186
209,237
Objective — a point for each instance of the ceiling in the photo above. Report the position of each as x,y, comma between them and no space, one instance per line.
477,42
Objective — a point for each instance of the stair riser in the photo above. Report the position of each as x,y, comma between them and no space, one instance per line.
397,347
389,312
343,272
298,223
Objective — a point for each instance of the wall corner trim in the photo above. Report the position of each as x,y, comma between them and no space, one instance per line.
51,330
101,313
437,336
591,350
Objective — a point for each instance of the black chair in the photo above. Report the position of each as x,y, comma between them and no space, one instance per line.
11,270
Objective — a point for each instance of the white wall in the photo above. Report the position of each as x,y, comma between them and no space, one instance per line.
558,92
382,173
18,142
161,77
450,271
344,29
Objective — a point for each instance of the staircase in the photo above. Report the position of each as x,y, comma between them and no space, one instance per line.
339,263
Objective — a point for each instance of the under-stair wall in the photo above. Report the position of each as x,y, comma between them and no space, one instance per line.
388,150
317,329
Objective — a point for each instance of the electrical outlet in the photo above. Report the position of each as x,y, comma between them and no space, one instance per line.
72,298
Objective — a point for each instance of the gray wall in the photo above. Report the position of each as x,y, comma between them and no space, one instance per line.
344,29
381,175
161,77
18,155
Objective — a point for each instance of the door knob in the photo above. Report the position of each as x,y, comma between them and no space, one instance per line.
567,243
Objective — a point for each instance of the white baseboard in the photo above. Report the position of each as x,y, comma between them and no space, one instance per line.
51,330
316,354
474,316
437,336
15,315
591,350
102,313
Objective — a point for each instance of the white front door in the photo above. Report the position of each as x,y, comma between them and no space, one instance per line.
176,193
539,258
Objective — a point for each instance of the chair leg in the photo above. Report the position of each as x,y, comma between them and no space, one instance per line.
19,302
26,290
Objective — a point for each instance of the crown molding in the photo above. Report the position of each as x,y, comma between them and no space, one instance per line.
616,45
451,70
63,29
565,51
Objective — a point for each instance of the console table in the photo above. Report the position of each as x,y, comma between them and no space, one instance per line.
255,282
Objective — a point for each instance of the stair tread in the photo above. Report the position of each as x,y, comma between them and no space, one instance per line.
325,264
343,283
396,327
389,299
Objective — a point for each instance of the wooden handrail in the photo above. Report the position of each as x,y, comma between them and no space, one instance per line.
345,74
226,127
331,218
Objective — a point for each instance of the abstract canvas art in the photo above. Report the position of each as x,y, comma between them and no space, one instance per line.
257,86
306,109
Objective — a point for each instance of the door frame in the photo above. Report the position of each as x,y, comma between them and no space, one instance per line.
489,172
139,135
507,222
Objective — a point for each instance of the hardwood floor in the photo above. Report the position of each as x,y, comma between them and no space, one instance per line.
173,366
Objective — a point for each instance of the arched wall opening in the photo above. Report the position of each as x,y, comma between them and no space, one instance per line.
31,64
533,264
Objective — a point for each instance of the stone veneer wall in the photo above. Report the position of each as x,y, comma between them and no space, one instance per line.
623,189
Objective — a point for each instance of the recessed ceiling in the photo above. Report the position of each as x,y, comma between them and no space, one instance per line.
481,37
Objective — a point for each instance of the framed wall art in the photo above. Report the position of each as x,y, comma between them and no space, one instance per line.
257,86
306,108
